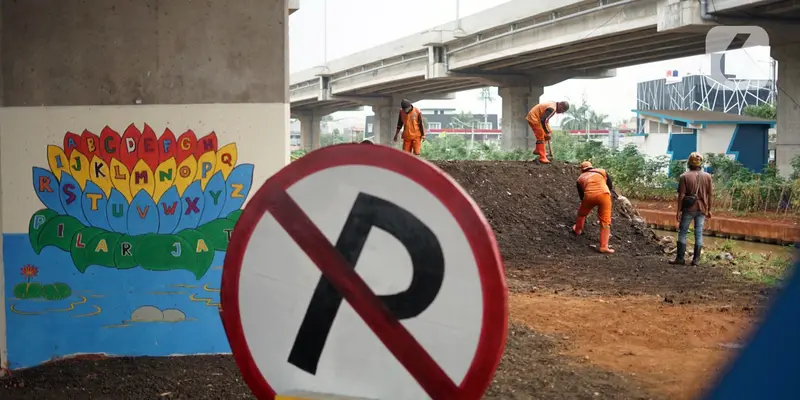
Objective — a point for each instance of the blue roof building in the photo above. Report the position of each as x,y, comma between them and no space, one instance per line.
679,133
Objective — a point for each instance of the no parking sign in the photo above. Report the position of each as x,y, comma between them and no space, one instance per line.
363,271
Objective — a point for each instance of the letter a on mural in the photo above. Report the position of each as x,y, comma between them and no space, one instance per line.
426,314
139,200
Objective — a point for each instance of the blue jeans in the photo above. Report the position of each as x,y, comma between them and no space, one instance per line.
683,229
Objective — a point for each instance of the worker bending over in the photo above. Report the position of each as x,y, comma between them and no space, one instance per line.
539,120
595,190
410,121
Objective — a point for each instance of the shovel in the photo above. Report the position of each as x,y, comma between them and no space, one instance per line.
549,150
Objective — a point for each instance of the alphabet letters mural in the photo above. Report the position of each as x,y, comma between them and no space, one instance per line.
139,200
125,256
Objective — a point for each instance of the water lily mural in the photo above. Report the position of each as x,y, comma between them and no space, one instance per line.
139,200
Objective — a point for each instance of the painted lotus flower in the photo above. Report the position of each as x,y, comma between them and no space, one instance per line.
29,272
148,190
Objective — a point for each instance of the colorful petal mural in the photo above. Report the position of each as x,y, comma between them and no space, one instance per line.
139,200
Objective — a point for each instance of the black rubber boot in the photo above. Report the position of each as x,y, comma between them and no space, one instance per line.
680,255
696,256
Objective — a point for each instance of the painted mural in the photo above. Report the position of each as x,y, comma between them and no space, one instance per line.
132,234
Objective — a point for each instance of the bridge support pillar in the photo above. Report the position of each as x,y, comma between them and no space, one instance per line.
517,101
159,81
788,127
309,130
385,124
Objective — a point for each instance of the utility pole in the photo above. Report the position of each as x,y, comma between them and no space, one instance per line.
458,32
472,139
486,97
773,66
613,138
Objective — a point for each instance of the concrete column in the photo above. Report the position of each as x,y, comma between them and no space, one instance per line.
151,119
517,101
788,126
385,124
309,130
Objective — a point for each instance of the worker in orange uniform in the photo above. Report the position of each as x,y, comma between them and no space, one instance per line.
539,120
595,190
410,121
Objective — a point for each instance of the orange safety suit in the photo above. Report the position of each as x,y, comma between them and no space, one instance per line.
539,120
413,130
594,189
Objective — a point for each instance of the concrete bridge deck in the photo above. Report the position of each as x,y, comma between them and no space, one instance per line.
521,47
517,42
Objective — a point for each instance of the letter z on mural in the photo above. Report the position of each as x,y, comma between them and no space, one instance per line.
117,208
139,200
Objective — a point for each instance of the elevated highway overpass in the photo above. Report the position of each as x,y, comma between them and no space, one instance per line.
769,10
520,47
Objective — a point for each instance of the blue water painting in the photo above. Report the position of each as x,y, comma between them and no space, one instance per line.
53,310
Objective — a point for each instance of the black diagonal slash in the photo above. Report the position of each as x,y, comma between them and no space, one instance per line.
427,262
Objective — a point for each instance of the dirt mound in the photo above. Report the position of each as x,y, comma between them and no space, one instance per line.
532,207
208,377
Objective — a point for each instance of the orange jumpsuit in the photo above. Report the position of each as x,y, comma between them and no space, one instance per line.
413,130
594,188
539,120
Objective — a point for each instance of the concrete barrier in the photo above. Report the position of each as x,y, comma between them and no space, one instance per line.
734,228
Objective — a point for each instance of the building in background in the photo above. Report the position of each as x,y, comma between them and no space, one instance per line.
702,92
352,133
615,138
349,129
692,93
679,133
445,120
294,134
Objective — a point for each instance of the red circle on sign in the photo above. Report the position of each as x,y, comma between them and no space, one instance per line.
468,215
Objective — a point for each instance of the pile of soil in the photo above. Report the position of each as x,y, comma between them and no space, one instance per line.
129,378
532,208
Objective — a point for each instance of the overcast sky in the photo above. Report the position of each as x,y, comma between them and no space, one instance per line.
356,25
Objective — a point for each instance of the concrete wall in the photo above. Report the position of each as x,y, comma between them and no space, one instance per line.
746,143
97,52
681,145
715,139
132,133
90,268
667,140
637,141
788,138
655,144
750,146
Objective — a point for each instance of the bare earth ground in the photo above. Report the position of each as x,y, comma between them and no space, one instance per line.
583,325
675,351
